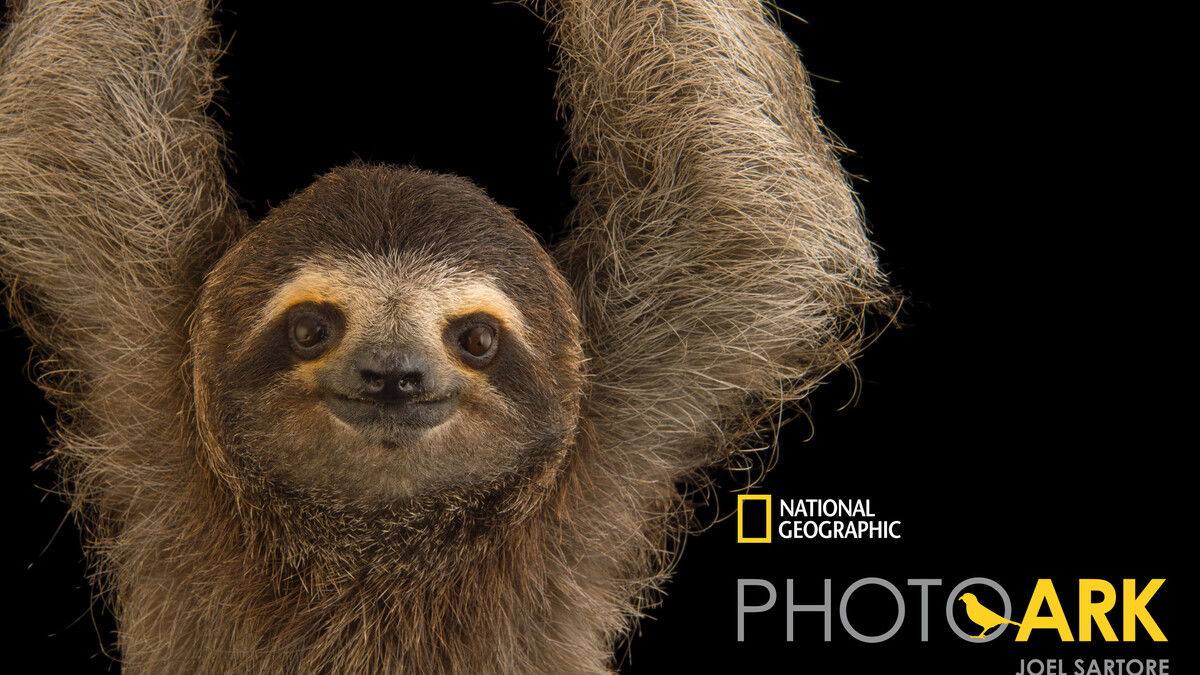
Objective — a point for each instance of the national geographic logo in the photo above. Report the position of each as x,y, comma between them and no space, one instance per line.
743,508
809,519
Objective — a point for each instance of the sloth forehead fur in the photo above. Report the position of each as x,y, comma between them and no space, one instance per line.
394,266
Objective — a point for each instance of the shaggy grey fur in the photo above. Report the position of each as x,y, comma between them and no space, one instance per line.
719,266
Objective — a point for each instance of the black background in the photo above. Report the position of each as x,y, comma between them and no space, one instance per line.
1021,172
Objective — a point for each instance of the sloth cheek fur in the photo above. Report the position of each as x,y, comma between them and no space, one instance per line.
283,435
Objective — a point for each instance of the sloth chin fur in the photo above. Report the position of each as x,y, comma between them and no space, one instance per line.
382,429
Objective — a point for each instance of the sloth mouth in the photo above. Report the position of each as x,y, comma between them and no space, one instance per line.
372,416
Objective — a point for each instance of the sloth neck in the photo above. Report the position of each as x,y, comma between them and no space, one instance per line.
549,591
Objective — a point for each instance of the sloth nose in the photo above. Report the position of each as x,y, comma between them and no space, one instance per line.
392,378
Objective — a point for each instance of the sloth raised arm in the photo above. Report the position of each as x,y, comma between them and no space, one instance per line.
719,257
112,193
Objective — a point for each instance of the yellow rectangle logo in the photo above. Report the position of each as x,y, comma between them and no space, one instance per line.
741,535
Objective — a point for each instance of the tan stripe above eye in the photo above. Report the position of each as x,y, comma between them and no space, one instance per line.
308,286
359,288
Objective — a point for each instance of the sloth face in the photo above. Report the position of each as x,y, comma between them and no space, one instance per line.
383,336
396,348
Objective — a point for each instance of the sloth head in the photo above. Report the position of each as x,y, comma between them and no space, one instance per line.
386,337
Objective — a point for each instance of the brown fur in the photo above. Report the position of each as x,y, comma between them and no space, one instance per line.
717,270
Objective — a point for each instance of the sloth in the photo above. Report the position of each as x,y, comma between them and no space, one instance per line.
384,429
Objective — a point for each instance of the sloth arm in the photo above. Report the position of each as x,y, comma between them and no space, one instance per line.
112,192
718,253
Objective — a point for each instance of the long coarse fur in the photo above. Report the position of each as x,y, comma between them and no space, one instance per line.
719,266
719,254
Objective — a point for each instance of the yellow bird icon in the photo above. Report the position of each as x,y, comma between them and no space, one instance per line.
986,618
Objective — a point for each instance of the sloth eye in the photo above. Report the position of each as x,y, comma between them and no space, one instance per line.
310,331
476,338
